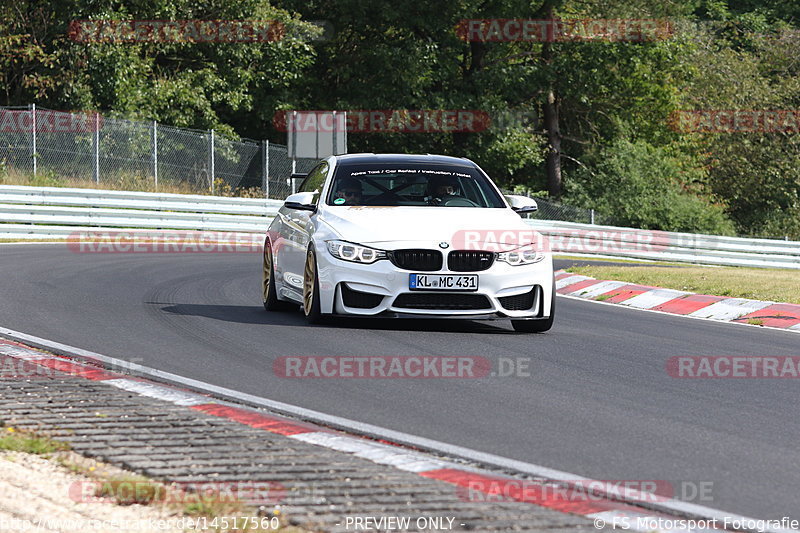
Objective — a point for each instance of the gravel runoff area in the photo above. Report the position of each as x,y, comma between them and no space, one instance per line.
320,489
35,496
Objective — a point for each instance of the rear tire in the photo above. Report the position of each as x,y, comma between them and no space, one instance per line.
311,304
269,292
537,326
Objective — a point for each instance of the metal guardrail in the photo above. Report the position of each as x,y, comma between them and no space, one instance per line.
610,241
83,198
41,213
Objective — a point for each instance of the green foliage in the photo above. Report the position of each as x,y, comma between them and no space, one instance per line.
646,187
614,99
750,66
22,441
232,87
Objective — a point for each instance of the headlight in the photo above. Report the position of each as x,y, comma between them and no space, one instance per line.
347,251
523,256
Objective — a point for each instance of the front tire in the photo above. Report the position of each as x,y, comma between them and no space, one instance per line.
311,301
537,326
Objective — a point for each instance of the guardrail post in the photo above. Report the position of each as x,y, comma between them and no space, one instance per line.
265,161
155,155
212,161
33,137
97,148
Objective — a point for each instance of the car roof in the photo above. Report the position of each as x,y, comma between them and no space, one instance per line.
355,159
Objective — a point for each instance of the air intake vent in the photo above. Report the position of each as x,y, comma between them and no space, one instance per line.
519,302
444,301
358,299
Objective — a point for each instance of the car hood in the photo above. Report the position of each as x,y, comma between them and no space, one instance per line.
383,226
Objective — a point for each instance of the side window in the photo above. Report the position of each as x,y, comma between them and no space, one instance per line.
315,179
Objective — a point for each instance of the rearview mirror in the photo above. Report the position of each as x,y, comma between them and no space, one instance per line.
522,204
303,201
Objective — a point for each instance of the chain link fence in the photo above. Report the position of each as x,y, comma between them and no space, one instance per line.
552,211
43,147
549,210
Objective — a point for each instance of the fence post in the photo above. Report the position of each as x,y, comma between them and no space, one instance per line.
265,160
212,161
97,148
33,138
293,144
294,169
591,216
155,154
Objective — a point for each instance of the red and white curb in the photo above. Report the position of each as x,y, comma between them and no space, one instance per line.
605,507
738,310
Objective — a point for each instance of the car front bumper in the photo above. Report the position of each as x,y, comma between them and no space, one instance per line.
387,281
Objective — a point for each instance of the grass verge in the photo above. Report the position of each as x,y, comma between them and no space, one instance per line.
14,440
616,260
216,508
126,182
753,283
32,241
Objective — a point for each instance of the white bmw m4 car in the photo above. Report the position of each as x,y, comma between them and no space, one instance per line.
422,236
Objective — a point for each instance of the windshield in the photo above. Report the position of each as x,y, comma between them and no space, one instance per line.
410,184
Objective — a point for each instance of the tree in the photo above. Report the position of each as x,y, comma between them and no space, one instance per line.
748,60
192,84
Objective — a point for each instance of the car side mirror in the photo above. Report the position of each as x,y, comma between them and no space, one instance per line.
522,204
302,201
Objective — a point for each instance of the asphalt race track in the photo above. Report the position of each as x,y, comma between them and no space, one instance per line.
598,403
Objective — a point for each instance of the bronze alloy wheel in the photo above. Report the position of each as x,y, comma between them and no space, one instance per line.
311,295
266,278
309,282
269,292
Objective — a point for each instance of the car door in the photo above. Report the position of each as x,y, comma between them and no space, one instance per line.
298,228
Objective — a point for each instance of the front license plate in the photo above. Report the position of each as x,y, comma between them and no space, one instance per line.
442,282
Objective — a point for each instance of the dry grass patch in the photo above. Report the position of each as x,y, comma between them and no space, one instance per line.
753,283
127,182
